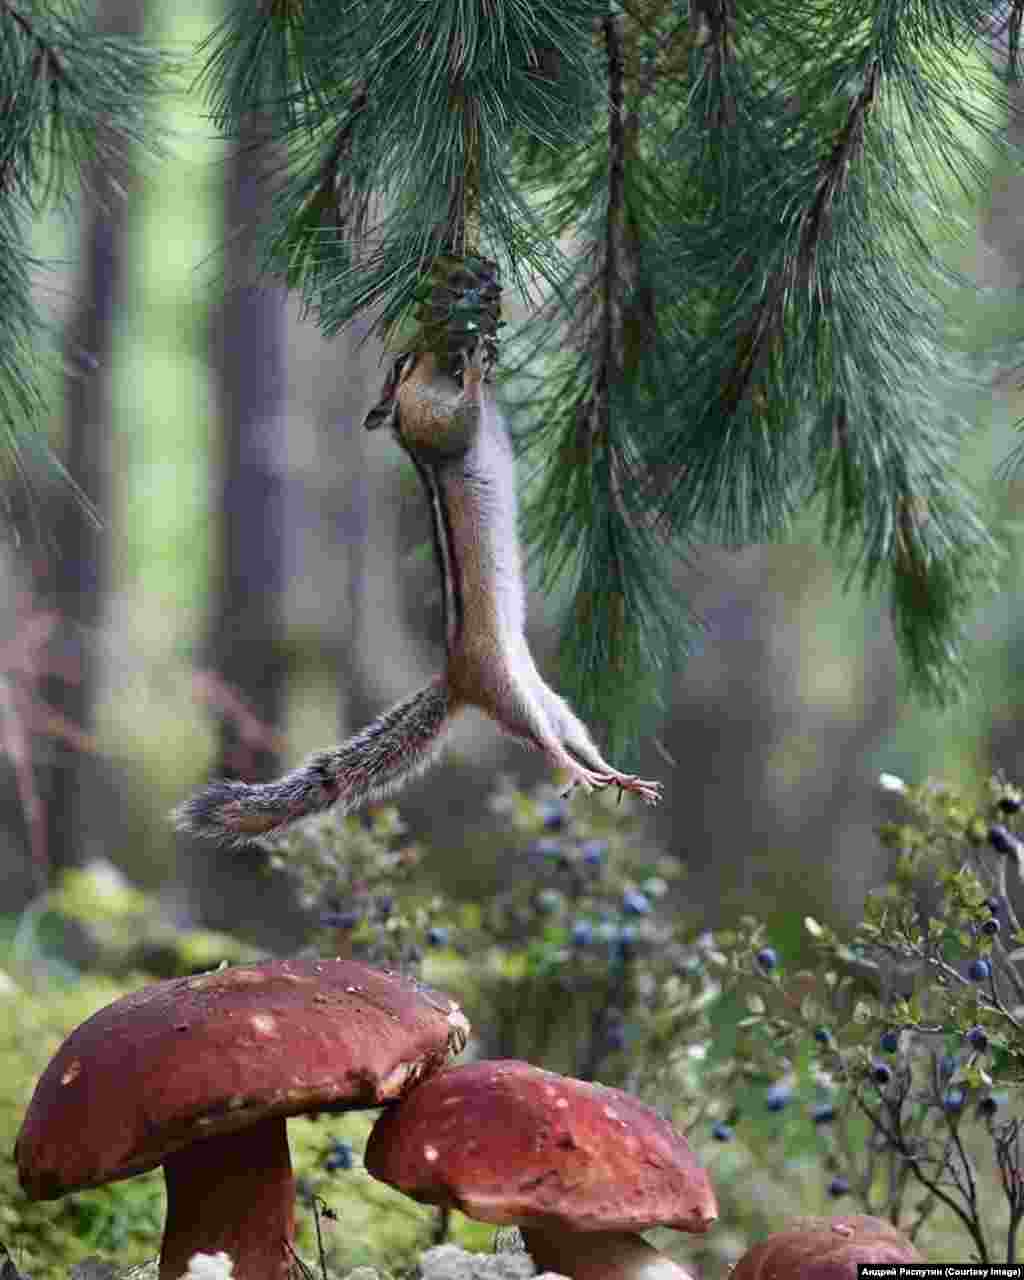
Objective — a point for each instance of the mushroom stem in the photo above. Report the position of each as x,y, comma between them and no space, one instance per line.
235,1193
598,1255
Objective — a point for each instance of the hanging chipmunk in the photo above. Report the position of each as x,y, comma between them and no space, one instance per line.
459,443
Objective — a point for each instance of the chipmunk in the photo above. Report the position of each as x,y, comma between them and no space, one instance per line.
460,446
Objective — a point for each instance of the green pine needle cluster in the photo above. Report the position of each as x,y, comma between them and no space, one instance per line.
734,211
390,115
73,104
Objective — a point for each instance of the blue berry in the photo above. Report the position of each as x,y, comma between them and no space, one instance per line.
767,958
635,903
437,936
979,970
890,1041
947,1066
993,904
593,852
954,1099
551,849
839,1186
977,1039
385,905
823,1035
823,1113
340,919
582,933
625,945
1009,803
989,1106
990,926
778,1096
722,1132
615,1037
339,1157
1003,840
554,816
881,1073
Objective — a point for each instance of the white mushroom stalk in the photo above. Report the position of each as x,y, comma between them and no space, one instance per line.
599,1255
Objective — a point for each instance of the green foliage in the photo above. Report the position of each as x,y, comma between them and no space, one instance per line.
45,1238
74,102
824,366
95,920
910,1030
752,317
400,114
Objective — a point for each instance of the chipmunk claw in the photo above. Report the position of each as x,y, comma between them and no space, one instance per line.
649,792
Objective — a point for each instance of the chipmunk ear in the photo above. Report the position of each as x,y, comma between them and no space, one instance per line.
383,412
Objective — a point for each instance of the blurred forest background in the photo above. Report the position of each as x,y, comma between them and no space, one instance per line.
262,585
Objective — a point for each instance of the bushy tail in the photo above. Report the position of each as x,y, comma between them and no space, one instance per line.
391,749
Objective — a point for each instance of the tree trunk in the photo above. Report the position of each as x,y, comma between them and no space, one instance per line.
246,645
76,581
245,654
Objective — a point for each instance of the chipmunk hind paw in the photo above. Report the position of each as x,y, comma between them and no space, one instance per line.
649,792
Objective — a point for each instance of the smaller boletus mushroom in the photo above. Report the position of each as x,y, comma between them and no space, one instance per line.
825,1249
198,1074
580,1168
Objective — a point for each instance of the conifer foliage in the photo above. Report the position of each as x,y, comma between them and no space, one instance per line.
73,100
733,208
725,215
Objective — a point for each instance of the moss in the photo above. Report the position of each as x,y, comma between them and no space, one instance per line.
46,1238
97,919
373,1224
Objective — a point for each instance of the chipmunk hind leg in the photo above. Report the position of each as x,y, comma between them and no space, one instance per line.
523,713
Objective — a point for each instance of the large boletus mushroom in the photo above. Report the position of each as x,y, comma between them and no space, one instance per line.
581,1169
825,1249
199,1074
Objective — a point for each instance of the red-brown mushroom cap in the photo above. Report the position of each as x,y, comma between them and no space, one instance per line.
197,1057
507,1142
825,1249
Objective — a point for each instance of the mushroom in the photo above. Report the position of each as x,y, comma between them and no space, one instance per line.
825,1249
198,1074
580,1168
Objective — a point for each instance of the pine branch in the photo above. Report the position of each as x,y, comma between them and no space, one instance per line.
381,92
73,101
588,520
253,59
712,22
752,324
826,341
1014,21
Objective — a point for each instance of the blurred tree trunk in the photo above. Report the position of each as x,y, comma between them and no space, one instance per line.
348,518
246,644
77,579
246,660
